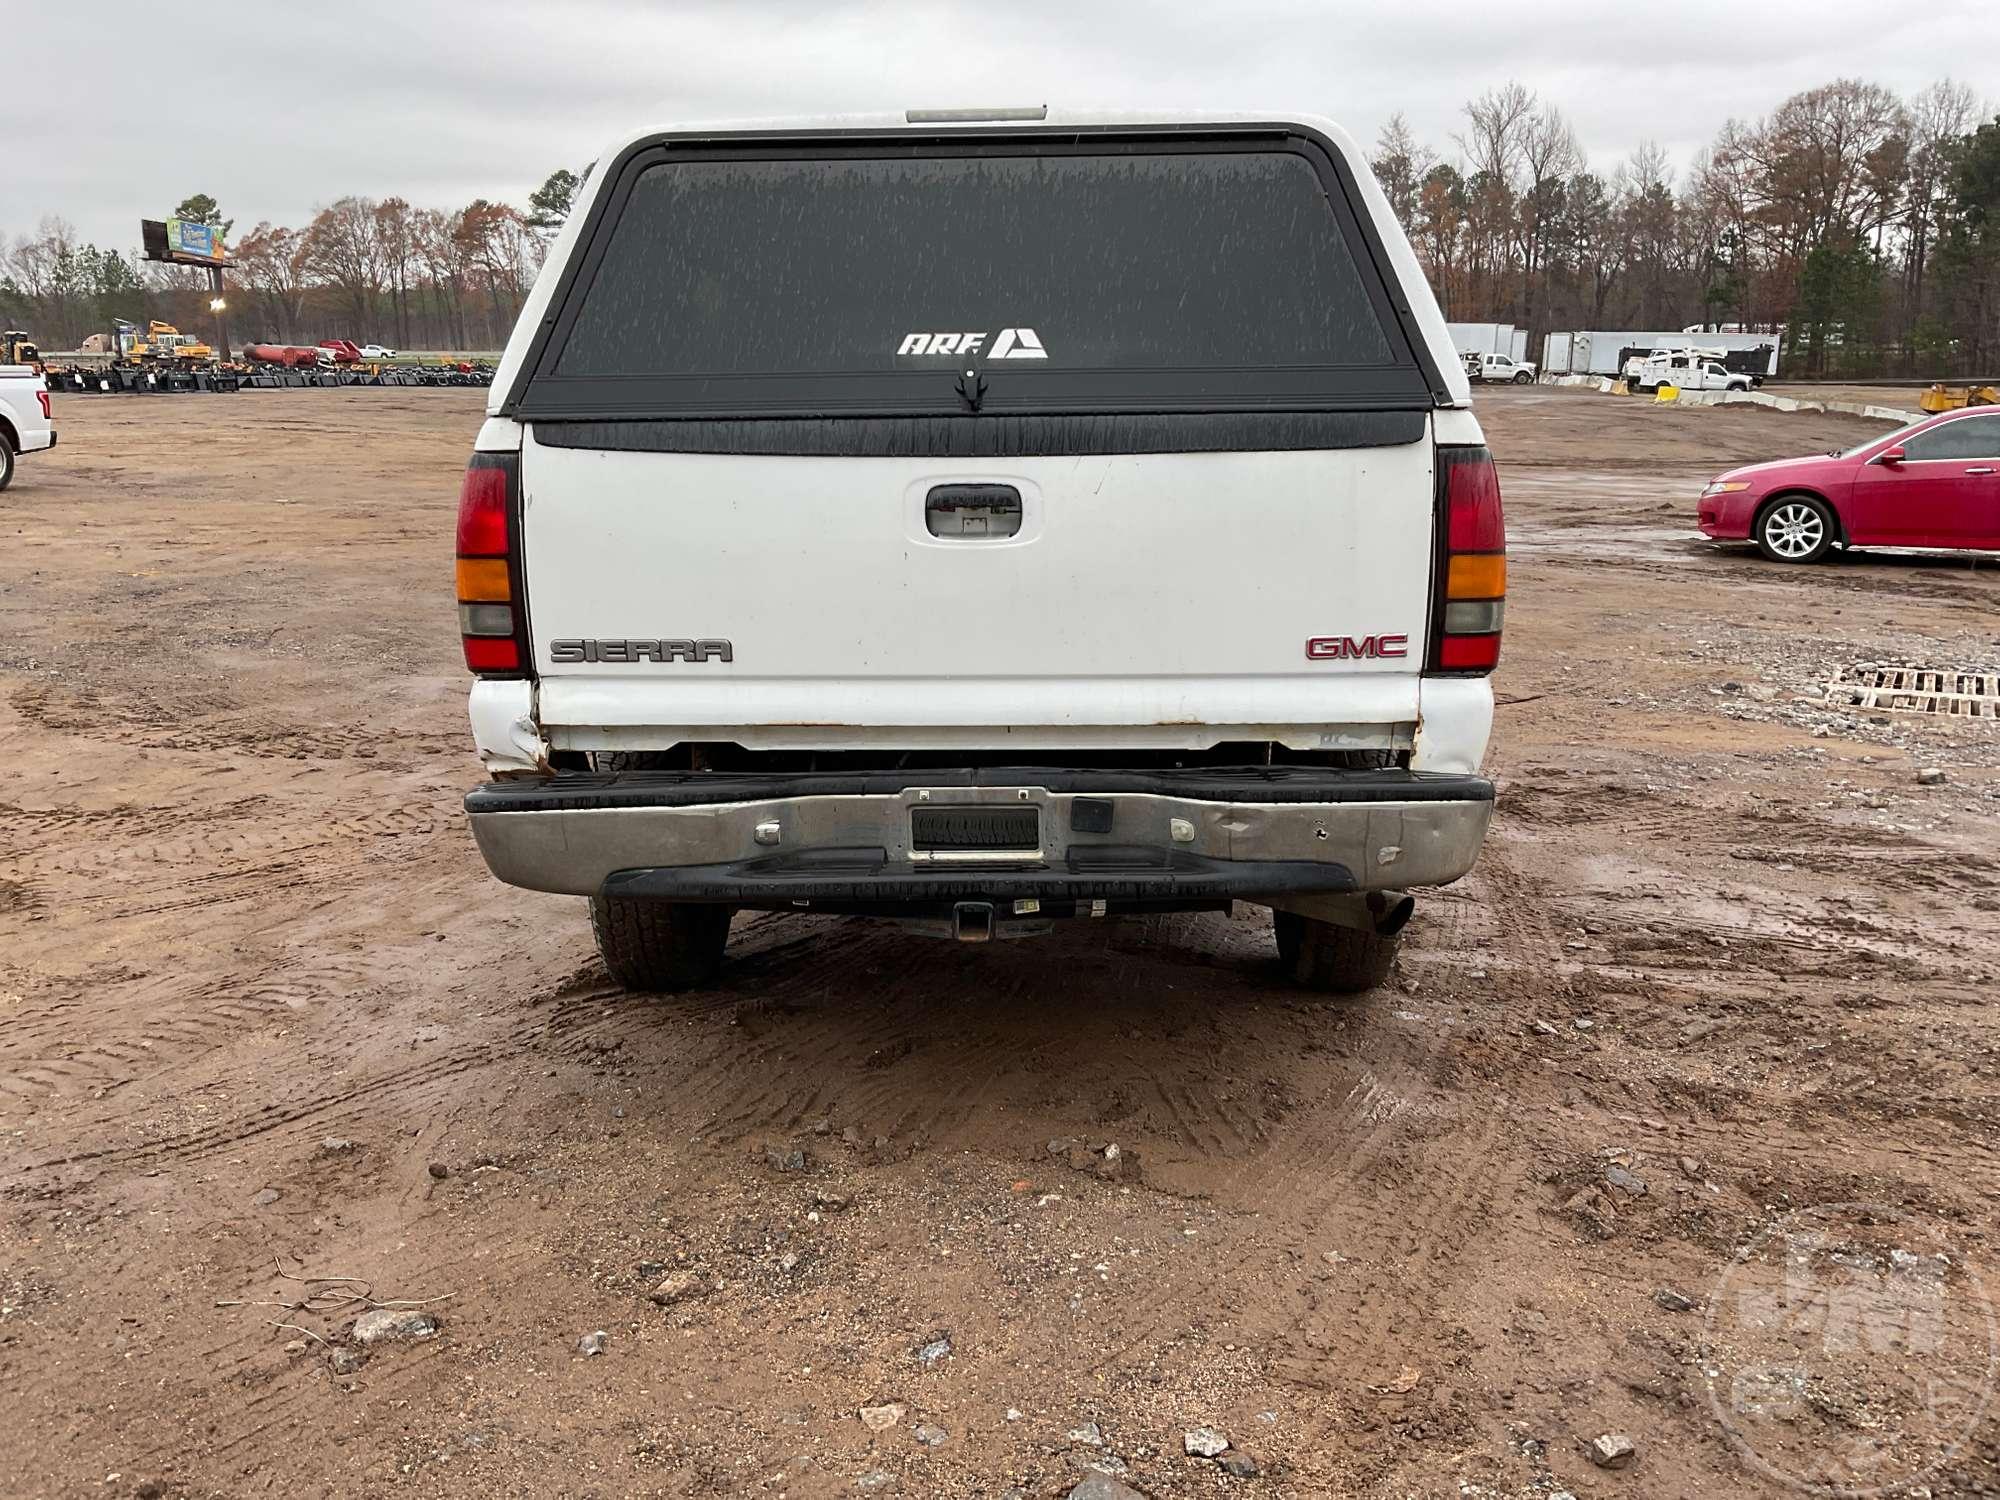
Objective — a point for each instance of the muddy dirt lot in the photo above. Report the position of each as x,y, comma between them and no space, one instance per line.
265,1021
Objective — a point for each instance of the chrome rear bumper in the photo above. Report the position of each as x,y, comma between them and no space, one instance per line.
1098,835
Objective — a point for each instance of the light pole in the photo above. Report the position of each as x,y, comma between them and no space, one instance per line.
219,305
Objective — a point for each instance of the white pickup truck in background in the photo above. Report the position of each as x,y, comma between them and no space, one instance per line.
981,520
27,421
1499,368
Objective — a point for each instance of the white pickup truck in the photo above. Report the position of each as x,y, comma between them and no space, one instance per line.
27,423
982,518
1504,368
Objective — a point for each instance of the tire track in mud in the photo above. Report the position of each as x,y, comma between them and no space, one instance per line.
158,1025
1411,1177
1970,591
131,864
425,1084
203,725
900,1055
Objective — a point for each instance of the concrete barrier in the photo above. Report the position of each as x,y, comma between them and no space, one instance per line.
1755,398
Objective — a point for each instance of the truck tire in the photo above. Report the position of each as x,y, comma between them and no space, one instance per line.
1522,377
659,945
1328,957
6,462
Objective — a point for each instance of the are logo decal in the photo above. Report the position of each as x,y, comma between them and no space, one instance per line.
1009,343
1356,648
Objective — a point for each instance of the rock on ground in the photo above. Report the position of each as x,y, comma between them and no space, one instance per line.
1103,1487
935,1350
676,1287
882,1418
1613,1450
387,1325
1204,1442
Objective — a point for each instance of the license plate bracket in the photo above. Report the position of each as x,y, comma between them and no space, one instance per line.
976,830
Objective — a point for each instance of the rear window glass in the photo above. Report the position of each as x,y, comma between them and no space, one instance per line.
1028,268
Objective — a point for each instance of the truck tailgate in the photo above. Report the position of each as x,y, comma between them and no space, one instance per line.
1182,591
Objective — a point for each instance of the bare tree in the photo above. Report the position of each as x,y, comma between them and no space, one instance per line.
271,262
395,240
1549,155
1939,116
345,251
496,241
50,271
1494,125
444,270
1401,164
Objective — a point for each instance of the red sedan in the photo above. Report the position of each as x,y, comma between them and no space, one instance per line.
1934,483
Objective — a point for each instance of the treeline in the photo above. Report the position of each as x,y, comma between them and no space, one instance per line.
1863,227
371,270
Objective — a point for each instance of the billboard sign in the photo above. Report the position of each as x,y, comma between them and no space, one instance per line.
204,240
184,242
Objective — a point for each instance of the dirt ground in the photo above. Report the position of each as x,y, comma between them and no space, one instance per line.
265,1020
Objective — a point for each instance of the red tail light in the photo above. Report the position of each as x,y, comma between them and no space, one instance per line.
48,412
492,622
1471,595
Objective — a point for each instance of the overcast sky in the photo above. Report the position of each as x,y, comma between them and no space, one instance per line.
116,110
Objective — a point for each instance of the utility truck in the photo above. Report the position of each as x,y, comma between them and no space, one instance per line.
1685,369
982,518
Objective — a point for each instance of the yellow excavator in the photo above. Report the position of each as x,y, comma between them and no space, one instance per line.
161,343
16,348
1952,397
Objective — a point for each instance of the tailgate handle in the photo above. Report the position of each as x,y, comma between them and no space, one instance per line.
973,511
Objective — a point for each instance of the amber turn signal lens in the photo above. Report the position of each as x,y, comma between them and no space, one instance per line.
1479,575
483,580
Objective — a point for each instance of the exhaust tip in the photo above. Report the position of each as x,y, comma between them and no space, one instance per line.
1391,910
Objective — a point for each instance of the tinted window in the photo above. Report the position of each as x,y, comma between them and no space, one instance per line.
1123,262
1968,437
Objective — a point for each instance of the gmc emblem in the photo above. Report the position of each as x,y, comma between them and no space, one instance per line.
1356,648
